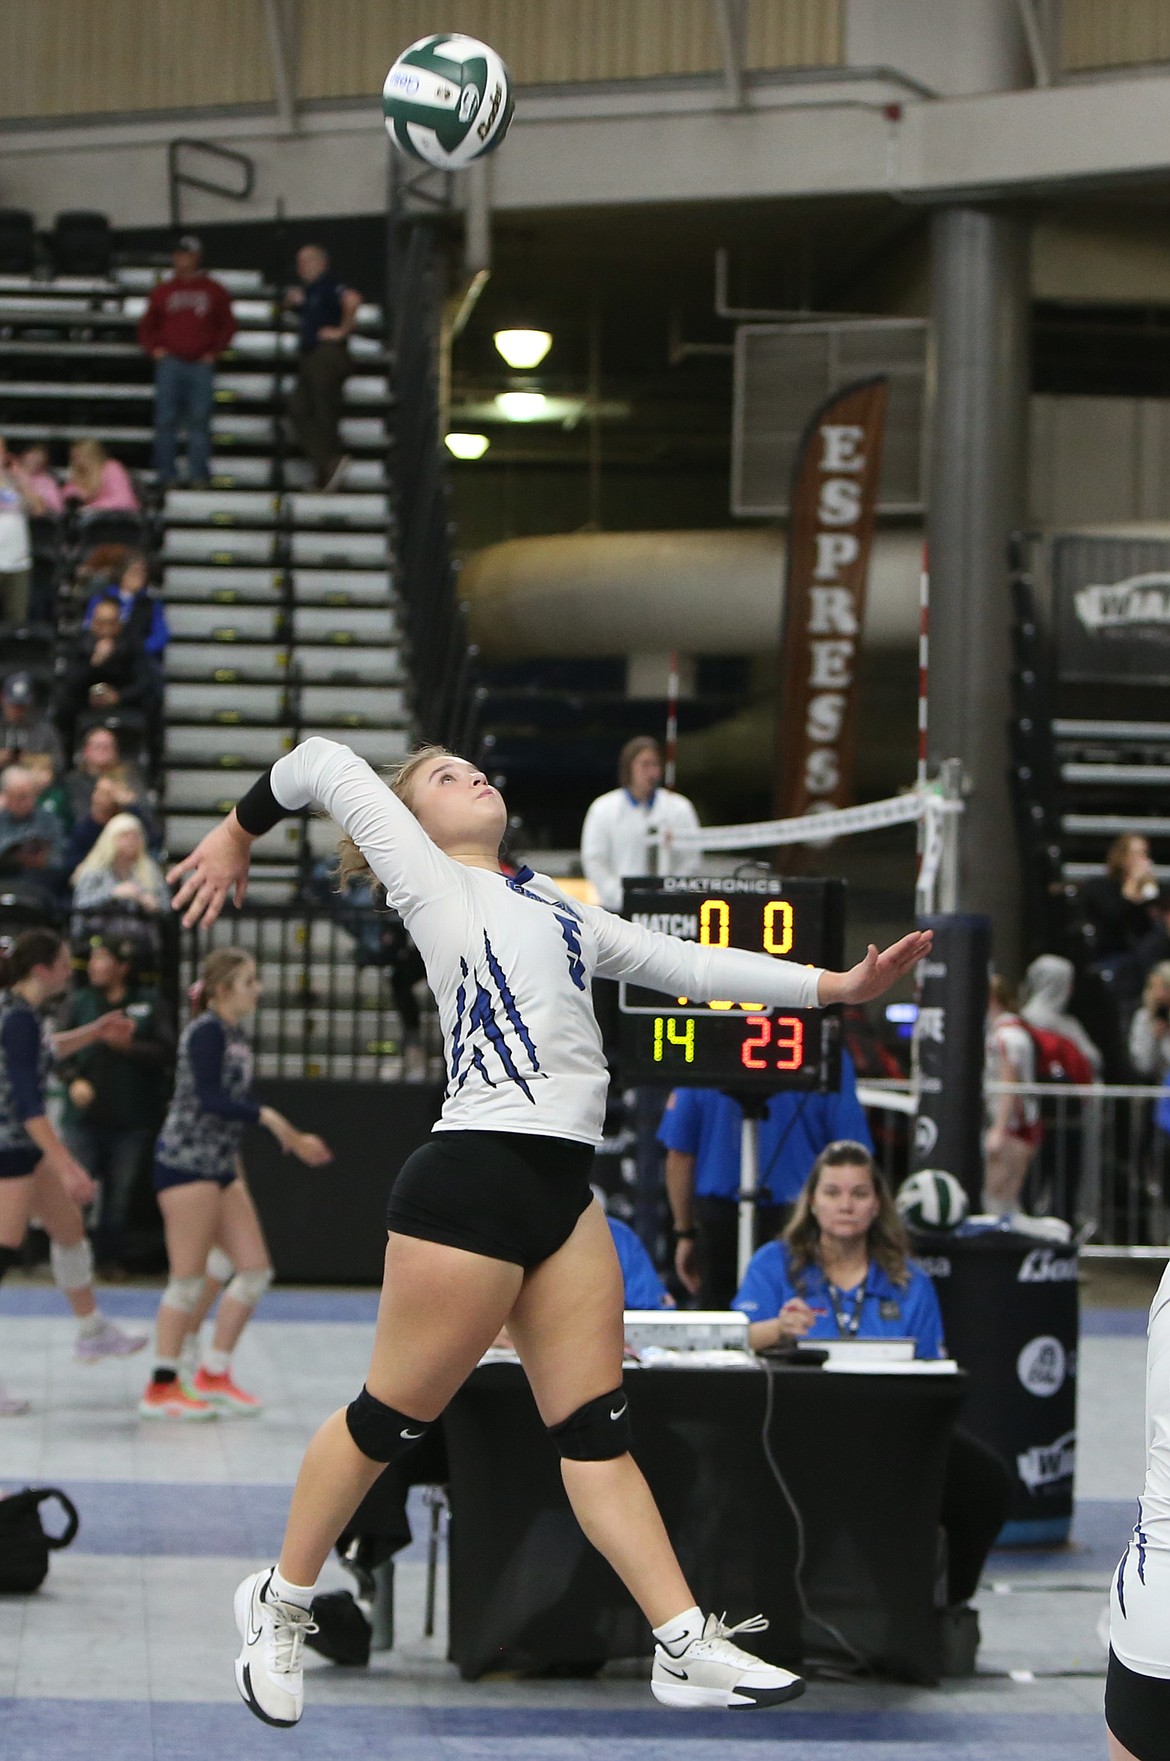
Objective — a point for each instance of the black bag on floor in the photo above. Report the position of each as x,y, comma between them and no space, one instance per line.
343,1632
24,1545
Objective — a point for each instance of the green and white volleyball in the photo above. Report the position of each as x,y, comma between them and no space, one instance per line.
447,100
931,1199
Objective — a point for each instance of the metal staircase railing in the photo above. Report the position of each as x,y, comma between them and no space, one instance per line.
178,179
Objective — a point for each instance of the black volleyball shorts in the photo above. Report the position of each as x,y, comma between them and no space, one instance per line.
18,1164
504,1194
1137,1710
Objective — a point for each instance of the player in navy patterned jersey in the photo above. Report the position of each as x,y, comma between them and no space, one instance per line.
202,1194
493,1221
36,1167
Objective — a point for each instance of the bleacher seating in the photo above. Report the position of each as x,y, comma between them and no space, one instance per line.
18,242
281,601
81,243
70,367
1081,774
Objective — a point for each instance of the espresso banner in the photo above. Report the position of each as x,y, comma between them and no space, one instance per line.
830,532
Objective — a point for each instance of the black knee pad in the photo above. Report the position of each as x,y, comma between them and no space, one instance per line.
9,1257
597,1431
379,1431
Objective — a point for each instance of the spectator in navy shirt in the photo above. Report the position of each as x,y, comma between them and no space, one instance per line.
328,313
701,1131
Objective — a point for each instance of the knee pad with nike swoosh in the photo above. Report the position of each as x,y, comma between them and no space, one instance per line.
597,1431
379,1431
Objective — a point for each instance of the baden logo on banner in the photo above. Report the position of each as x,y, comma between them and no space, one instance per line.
1043,1266
834,501
1041,1365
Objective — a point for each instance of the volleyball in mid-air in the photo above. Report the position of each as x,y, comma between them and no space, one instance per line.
931,1199
447,100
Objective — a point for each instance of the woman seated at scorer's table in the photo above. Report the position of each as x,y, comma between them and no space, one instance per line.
842,1270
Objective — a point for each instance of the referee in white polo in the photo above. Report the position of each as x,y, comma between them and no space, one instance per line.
621,826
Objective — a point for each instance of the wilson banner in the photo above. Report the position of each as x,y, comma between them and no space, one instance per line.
834,503
1111,608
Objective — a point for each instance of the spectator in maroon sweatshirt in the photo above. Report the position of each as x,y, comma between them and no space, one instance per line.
185,328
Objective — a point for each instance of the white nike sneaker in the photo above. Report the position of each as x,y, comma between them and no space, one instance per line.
268,1669
711,1671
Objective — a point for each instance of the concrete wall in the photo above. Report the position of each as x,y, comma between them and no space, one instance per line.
680,140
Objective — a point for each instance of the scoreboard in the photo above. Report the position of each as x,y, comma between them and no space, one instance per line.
731,1043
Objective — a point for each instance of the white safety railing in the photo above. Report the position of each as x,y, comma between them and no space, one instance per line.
1103,1163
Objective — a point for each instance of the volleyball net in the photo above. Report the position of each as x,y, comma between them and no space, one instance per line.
934,807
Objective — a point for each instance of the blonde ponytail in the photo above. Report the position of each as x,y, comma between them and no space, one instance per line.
351,864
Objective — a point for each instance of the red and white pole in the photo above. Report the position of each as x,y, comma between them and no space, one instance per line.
923,662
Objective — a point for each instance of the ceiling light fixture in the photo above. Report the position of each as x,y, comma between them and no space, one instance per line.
522,406
523,348
466,446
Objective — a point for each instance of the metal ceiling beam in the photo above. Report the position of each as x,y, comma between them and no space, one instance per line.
731,17
1037,48
280,17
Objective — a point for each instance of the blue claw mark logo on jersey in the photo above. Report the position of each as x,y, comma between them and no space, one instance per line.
482,1017
565,916
1140,1538
569,928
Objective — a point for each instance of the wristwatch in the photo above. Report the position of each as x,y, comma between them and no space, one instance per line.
685,1234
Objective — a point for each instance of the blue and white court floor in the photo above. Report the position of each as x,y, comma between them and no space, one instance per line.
126,1651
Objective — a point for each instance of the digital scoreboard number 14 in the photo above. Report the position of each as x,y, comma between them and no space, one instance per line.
735,1043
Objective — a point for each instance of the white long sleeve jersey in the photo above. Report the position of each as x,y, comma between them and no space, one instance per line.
510,960
1139,1618
617,839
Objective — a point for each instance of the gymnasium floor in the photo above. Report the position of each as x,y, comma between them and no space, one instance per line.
126,1651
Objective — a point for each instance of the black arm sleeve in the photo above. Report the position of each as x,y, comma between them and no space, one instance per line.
259,810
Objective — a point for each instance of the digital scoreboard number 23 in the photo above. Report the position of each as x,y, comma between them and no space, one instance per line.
730,1043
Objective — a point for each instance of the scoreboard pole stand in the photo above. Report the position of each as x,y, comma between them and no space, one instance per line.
749,1050
754,1107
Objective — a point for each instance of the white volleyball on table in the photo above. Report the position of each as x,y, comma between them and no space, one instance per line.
447,100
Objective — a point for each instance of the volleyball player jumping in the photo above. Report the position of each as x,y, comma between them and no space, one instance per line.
1137,1686
492,1220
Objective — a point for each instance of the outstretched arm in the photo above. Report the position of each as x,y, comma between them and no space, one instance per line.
664,963
877,972
322,773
